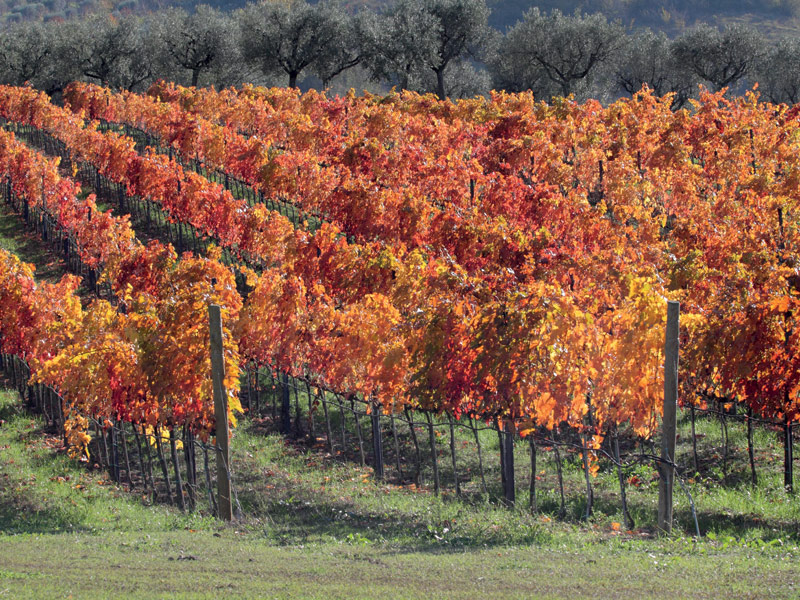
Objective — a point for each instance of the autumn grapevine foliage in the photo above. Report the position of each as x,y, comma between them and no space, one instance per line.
111,364
506,244
267,242
445,371
357,189
169,364
506,258
744,269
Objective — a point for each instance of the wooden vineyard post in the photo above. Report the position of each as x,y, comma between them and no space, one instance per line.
669,423
434,455
286,405
224,507
507,455
788,458
377,439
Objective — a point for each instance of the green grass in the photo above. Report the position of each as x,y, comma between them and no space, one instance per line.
316,527
27,245
726,502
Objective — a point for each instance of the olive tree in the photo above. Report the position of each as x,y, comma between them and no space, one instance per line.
462,32
556,51
288,36
415,36
108,50
198,42
348,52
778,72
513,70
28,54
399,44
647,59
719,58
462,80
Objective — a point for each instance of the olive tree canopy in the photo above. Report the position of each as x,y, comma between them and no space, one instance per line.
778,72
647,59
556,50
289,36
720,58
414,36
198,42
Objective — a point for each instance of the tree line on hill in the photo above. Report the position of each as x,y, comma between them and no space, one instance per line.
442,46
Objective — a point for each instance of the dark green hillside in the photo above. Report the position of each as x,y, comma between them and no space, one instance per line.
668,15
671,16
14,11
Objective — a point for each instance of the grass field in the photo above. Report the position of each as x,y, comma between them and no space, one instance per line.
327,530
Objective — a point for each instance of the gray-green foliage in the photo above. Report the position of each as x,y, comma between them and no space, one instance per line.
461,80
647,59
778,72
27,54
423,45
670,16
556,53
107,51
288,37
347,51
462,32
197,42
143,66
400,43
719,58
415,37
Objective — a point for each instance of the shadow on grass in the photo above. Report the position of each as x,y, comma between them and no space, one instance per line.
286,500
739,525
292,510
9,410
24,506
24,509
23,513
298,511
15,238
296,516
